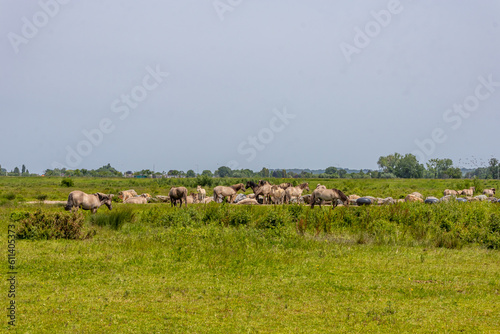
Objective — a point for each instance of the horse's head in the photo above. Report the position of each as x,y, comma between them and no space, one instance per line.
251,184
106,199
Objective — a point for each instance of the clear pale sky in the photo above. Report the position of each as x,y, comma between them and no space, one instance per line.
250,84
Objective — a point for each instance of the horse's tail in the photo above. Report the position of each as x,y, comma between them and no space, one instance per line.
70,202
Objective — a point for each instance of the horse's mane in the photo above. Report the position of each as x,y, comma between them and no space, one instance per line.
343,197
251,184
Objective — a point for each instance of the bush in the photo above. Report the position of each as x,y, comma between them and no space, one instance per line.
273,219
237,217
59,225
67,183
41,197
10,196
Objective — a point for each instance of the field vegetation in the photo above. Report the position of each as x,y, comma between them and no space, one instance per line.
220,268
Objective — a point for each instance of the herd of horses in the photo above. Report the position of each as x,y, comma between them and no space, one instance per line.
263,192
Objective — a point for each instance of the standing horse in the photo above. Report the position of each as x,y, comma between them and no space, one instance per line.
263,188
291,192
332,195
277,194
178,193
201,193
78,199
228,192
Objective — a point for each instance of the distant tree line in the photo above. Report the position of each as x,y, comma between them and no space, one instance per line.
16,171
391,166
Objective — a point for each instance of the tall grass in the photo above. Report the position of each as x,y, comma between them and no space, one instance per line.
113,219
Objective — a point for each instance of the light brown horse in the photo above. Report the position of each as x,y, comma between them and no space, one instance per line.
201,193
468,192
277,194
328,195
127,194
178,194
296,191
229,192
449,192
285,185
78,199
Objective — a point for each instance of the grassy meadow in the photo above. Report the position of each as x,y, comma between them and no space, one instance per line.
221,268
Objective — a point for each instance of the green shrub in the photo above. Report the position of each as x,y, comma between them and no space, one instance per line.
273,219
10,196
41,197
58,225
237,217
67,183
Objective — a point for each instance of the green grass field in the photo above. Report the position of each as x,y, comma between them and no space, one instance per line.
228,269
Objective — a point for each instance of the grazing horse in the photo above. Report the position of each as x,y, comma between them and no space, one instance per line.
468,192
229,192
449,192
328,195
263,188
78,199
295,192
178,194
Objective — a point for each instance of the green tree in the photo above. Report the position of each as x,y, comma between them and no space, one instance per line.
208,173
453,172
16,171
331,170
388,163
408,167
190,173
23,169
342,173
223,171
494,168
264,172
173,172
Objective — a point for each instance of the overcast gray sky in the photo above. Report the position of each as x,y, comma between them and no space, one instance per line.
250,84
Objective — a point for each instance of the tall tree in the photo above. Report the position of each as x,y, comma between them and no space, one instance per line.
223,171
190,173
408,167
389,163
264,172
494,168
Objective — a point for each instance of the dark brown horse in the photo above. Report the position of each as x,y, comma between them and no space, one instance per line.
178,194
